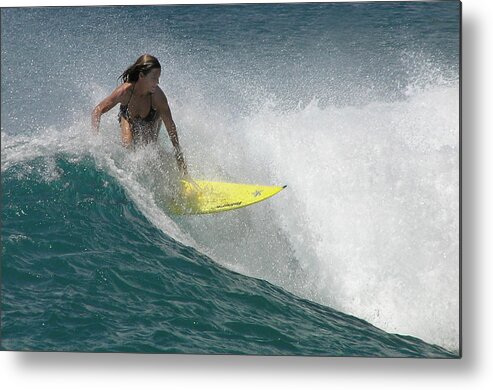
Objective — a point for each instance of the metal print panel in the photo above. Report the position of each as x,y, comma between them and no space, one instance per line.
353,106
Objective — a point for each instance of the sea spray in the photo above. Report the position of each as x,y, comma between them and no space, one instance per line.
369,223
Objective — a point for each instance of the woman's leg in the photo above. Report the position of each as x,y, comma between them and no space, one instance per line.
126,129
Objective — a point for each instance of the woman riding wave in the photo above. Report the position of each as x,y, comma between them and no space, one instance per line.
143,105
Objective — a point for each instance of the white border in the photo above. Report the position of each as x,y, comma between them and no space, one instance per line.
110,371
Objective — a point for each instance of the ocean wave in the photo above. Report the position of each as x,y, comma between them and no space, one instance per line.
368,226
84,270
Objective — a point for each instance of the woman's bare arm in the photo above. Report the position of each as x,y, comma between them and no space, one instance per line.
164,111
117,96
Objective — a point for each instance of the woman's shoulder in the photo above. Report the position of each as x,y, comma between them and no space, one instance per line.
123,91
158,97
159,94
127,87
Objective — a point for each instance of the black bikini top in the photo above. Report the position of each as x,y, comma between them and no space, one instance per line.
151,116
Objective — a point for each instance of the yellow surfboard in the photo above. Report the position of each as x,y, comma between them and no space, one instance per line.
206,197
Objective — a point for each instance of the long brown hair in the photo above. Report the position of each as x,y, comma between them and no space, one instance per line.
145,63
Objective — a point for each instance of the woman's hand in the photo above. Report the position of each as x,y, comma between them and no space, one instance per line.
181,162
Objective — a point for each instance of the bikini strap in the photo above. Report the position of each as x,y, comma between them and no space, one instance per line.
131,94
152,106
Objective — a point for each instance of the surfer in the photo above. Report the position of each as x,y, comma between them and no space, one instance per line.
143,105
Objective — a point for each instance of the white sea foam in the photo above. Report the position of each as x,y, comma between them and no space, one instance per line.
369,223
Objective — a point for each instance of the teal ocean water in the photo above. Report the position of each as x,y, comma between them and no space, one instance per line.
353,106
